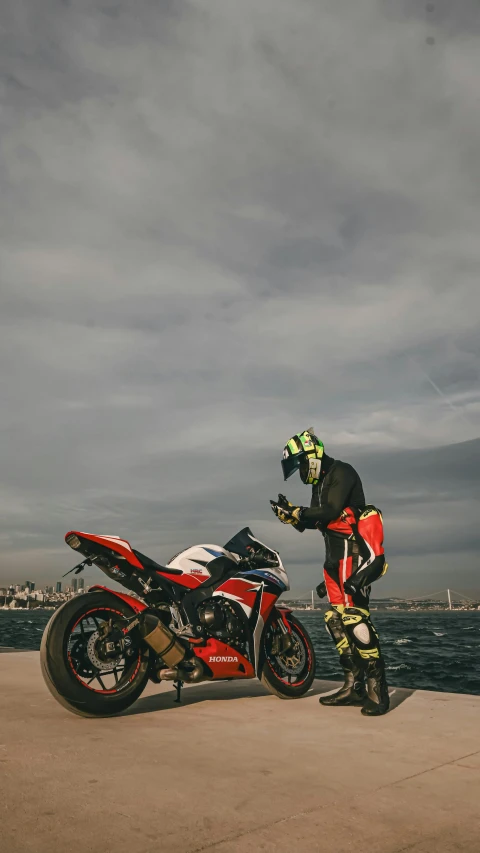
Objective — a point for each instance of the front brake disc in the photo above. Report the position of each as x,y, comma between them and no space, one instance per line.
293,663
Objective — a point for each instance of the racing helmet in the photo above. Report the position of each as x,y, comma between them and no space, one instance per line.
303,452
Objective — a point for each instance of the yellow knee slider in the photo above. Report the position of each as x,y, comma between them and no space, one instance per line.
354,615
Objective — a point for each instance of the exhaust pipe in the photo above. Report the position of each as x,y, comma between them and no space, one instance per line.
189,676
162,640
165,644
168,675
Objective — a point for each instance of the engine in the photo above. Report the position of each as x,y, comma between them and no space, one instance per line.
220,620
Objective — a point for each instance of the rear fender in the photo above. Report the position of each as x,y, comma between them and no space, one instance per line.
136,605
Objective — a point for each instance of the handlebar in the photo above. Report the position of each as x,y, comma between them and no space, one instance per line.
264,561
260,560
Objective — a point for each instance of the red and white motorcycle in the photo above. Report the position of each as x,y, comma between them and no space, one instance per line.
210,614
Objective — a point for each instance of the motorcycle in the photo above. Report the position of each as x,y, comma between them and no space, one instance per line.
210,614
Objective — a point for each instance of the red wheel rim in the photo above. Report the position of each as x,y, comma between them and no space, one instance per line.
86,665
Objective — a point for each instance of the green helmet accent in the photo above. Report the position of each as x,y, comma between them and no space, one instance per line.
301,447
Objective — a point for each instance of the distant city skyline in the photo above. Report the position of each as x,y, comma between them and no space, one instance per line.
292,594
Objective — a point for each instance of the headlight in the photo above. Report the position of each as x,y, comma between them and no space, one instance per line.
73,541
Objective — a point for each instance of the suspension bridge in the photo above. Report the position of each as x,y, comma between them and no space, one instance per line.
451,596
448,595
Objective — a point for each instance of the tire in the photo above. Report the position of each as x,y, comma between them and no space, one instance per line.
272,668
60,655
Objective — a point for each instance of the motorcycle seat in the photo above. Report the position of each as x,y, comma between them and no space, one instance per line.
148,563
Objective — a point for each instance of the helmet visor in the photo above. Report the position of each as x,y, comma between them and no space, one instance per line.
290,464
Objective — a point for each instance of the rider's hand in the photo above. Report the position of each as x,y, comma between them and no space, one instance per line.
289,514
352,585
284,503
321,589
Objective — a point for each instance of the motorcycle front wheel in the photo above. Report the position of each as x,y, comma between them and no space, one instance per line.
79,669
290,674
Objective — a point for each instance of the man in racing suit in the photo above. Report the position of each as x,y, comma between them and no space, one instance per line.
336,486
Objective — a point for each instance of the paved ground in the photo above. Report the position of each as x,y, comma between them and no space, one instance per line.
234,770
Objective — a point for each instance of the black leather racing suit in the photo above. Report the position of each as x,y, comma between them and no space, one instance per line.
340,486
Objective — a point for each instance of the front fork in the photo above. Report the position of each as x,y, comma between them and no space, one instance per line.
282,640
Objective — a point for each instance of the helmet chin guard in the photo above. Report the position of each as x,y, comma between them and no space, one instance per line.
313,473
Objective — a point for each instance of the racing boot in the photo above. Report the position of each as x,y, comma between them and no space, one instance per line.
377,701
353,691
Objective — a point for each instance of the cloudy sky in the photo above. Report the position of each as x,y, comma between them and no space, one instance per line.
222,223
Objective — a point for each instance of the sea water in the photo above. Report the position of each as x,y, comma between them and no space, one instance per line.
437,650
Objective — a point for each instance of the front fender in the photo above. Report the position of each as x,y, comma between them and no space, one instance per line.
283,613
136,605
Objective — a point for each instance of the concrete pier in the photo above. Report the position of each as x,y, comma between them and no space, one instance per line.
234,769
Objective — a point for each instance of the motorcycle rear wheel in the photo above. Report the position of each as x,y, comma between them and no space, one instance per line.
77,677
289,676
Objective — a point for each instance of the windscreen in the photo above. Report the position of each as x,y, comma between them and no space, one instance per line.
238,543
241,542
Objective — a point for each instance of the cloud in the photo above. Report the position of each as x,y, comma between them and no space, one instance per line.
221,223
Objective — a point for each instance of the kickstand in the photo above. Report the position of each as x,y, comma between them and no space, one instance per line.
178,686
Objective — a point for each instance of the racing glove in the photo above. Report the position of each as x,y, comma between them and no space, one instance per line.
353,584
288,513
321,589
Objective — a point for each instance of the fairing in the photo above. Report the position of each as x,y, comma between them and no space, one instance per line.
193,564
254,591
243,542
